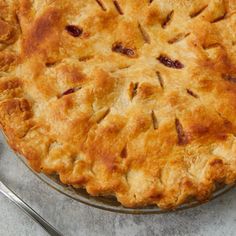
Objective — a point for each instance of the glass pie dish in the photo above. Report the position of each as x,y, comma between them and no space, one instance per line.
110,203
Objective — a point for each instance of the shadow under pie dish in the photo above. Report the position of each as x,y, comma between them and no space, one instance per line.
133,99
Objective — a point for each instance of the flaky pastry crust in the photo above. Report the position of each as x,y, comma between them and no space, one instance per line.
131,98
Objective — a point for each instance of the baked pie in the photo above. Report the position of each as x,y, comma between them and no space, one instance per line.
130,98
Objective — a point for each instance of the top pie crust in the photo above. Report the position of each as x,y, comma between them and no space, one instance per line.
132,98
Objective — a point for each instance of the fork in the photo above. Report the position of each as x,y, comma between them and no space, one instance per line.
28,210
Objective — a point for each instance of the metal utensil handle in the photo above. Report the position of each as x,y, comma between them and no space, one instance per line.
28,210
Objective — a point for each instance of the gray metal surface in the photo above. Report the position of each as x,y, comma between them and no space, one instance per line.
72,218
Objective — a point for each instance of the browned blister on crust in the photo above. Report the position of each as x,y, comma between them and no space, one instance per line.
135,99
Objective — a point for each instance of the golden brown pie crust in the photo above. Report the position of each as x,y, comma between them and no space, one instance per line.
132,98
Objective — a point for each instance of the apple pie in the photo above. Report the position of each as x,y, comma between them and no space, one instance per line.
128,98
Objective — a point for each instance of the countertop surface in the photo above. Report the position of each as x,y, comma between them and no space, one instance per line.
72,218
